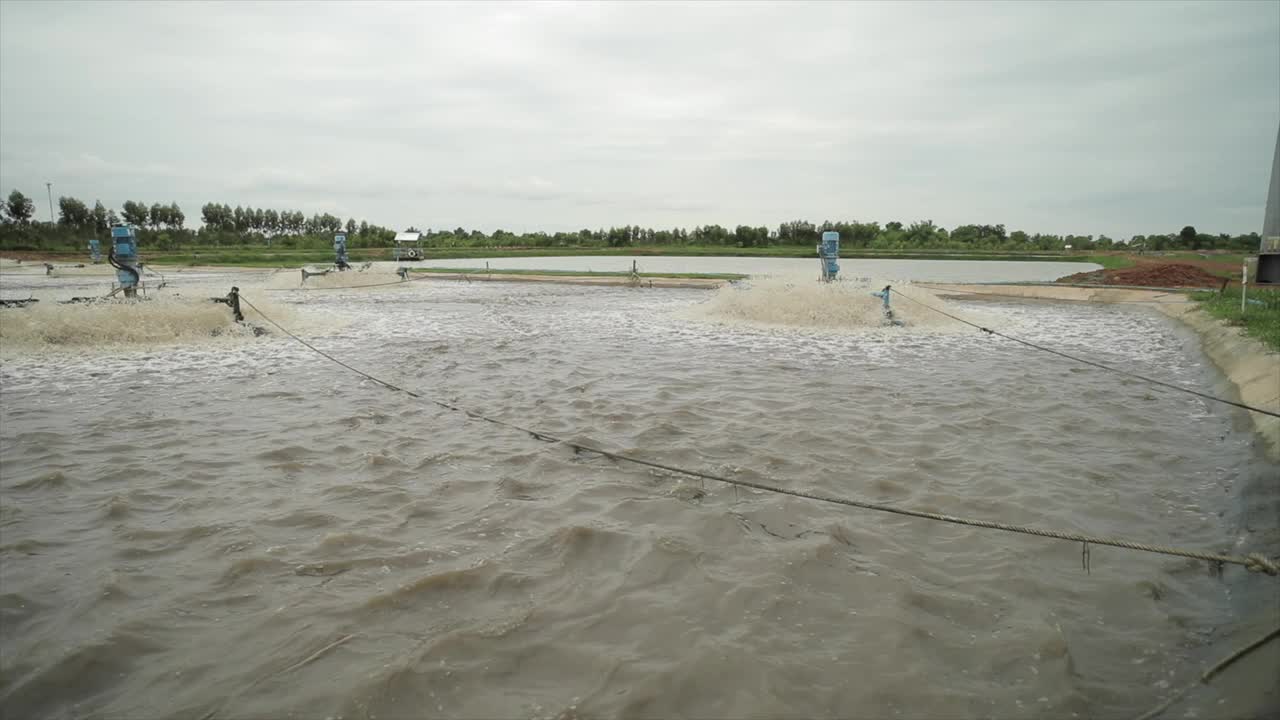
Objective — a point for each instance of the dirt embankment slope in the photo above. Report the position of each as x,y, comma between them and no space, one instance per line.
1157,275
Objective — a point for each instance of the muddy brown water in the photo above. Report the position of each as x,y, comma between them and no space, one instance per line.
239,529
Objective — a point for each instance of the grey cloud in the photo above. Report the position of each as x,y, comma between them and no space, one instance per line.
1097,118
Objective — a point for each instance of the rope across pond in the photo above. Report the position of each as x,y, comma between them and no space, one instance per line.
1253,562
1092,363
1209,674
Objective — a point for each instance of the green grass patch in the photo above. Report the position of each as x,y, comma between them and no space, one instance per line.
1260,319
578,273
1225,258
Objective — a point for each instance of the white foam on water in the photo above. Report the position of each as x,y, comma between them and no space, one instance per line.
793,301
292,279
163,319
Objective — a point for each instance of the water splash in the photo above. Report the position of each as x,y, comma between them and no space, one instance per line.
792,301
161,320
292,279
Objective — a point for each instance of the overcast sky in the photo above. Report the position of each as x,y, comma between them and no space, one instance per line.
1073,117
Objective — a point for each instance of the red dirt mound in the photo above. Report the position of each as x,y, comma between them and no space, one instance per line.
1153,275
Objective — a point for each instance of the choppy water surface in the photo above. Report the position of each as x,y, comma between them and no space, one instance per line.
238,528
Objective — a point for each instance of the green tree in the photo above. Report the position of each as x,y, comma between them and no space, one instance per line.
922,233
863,234
73,213
796,232
20,208
158,215
966,234
176,218
135,213
1188,236
100,217
211,216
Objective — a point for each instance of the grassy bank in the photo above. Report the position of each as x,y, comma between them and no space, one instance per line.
1260,319
577,273
1235,259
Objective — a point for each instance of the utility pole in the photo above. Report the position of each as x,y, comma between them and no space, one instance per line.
1268,271
49,186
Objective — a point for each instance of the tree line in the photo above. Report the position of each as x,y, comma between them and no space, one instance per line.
225,225
923,234
73,213
270,222
165,224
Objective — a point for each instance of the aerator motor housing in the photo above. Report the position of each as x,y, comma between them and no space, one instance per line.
828,253
124,258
